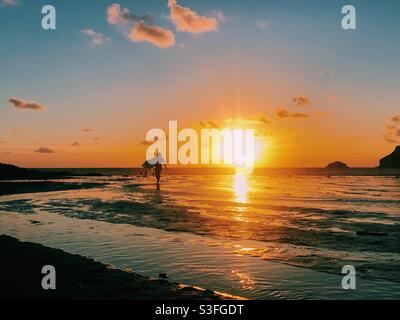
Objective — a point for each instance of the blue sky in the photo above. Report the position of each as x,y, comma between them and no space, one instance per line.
261,55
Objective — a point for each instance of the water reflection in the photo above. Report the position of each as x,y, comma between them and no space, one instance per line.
245,280
241,188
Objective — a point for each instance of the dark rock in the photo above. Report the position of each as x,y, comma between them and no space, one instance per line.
11,172
208,292
391,161
337,165
162,275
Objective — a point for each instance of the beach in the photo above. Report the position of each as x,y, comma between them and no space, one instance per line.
79,278
258,237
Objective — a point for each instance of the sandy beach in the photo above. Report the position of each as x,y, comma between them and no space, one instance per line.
80,278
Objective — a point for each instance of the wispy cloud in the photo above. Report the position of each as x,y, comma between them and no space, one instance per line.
248,122
322,113
262,24
259,121
44,150
331,97
396,118
27,105
10,3
187,20
392,132
75,144
284,114
146,143
390,139
87,130
301,101
96,38
326,72
139,29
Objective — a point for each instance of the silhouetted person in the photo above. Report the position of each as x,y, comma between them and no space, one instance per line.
158,167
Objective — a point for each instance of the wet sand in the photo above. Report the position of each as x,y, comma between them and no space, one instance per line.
13,187
80,278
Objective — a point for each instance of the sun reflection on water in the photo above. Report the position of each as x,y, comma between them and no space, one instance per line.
241,188
245,280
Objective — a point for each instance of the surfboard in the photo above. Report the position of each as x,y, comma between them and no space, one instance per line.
148,165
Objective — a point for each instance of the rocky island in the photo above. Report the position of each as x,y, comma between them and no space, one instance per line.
15,180
391,161
337,165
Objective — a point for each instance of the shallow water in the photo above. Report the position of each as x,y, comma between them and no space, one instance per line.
257,236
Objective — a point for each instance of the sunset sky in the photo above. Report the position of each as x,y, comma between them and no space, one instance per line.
85,94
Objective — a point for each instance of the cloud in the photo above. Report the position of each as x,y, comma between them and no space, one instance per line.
322,113
187,20
262,24
160,37
147,143
44,150
139,29
257,121
392,133
284,114
301,101
2,142
390,140
17,130
96,38
262,133
27,105
213,125
396,118
217,15
87,130
96,139
264,120
115,16
248,122
326,72
331,97
75,144
10,3
122,16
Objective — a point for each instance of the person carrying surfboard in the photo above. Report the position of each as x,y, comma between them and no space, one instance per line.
157,164
158,167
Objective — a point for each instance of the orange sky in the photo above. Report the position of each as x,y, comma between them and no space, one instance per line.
86,95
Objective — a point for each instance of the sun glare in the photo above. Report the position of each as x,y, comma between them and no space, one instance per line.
240,187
